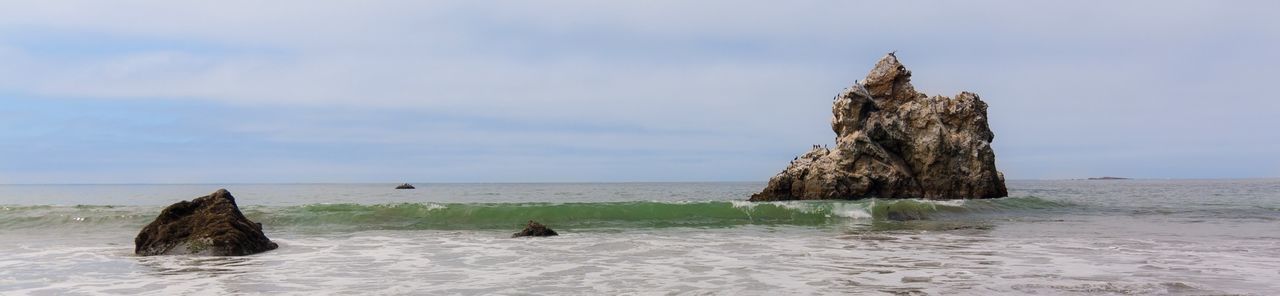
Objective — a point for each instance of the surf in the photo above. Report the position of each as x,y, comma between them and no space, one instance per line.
573,215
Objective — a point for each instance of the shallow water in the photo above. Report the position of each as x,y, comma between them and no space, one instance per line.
1127,237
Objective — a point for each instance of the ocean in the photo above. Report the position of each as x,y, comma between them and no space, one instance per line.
1072,237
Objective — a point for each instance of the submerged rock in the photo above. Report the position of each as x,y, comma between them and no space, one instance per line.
208,225
535,229
894,142
405,186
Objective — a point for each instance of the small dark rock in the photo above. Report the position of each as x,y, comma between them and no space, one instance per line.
535,229
208,225
405,186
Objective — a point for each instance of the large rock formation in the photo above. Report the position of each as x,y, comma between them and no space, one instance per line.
209,225
894,142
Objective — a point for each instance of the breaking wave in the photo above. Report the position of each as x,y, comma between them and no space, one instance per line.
463,216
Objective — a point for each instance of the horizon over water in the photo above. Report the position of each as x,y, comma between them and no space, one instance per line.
1057,237
599,182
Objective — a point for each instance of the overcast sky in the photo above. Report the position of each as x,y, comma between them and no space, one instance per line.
547,91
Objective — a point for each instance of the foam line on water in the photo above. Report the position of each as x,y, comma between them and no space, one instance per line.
584,215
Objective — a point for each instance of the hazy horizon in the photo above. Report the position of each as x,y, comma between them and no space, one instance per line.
145,92
588,182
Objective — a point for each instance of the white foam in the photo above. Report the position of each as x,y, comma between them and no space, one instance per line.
949,202
855,211
1012,259
742,204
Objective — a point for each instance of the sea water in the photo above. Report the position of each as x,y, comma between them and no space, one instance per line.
1114,237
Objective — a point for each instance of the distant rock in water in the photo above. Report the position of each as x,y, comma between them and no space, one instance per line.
894,142
208,225
405,186
535,229
1108,178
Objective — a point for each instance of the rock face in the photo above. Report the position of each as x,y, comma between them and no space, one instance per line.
405,186
535,229
894,142
208,225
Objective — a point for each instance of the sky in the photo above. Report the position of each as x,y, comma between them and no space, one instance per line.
614,91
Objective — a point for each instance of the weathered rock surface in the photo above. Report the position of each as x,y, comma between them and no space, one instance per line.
208,225
535,229
894,142
405,186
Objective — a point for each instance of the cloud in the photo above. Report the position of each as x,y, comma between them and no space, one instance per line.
616,78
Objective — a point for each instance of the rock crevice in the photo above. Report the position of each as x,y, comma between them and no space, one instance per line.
895,142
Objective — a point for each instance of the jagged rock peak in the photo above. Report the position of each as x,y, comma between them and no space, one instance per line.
894,142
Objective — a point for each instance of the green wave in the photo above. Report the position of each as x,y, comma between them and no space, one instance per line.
461,216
